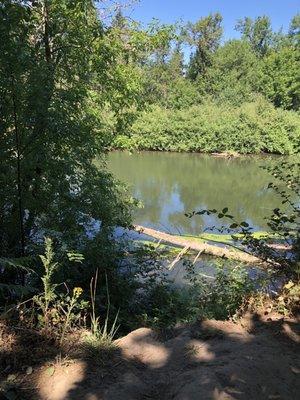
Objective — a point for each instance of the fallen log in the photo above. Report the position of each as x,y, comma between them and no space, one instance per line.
227,252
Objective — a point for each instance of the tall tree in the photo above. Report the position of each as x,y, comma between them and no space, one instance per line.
257,32
204,36
233,75
294,30
176,62
59,70
280,80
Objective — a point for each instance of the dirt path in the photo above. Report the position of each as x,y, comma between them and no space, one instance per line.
255,359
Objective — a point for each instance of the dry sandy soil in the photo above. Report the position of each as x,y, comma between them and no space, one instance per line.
258,358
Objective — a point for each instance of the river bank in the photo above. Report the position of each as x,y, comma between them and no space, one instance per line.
254,358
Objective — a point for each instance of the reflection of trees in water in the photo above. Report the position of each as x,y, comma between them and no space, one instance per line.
170,184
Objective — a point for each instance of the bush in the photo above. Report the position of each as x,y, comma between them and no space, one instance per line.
162,304
250,128
222,298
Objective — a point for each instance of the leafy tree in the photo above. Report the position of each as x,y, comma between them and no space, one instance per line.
162,64
233,75
176,63
257,32
166,84
204,35
60,67
280,79
294,31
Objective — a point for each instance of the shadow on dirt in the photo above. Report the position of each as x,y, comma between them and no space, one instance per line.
258,359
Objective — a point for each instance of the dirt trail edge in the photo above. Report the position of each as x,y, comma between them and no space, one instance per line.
254,360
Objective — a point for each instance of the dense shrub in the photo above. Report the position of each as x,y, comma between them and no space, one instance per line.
250,128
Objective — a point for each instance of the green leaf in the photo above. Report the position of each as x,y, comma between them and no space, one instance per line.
76,257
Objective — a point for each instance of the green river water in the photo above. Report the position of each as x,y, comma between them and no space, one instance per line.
172,184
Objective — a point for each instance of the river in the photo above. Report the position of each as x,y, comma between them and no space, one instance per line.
172,184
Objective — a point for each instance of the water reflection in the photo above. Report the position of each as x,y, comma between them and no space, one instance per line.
170,184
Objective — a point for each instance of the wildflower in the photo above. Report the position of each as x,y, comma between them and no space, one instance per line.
77,291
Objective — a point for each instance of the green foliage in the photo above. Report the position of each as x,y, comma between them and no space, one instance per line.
280,77
204,35
234,74
163,305
222,107
51,117
257,32
48,287
261,63
251,128
101,333
57,312
181,94
67,83
223,296
294,31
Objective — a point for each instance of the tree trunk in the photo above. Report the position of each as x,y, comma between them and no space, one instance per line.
19,180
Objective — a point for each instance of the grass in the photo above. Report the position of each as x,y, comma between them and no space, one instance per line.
99,350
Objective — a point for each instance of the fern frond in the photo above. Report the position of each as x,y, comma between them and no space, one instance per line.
21,263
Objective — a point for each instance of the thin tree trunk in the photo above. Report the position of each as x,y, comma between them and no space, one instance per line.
19,180
46,33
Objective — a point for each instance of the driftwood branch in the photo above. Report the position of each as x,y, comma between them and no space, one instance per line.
224,252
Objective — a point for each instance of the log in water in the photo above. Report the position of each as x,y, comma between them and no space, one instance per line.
227,252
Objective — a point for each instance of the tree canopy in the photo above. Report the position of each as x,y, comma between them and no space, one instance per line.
260,68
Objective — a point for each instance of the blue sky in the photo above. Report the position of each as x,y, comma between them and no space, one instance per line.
168,11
